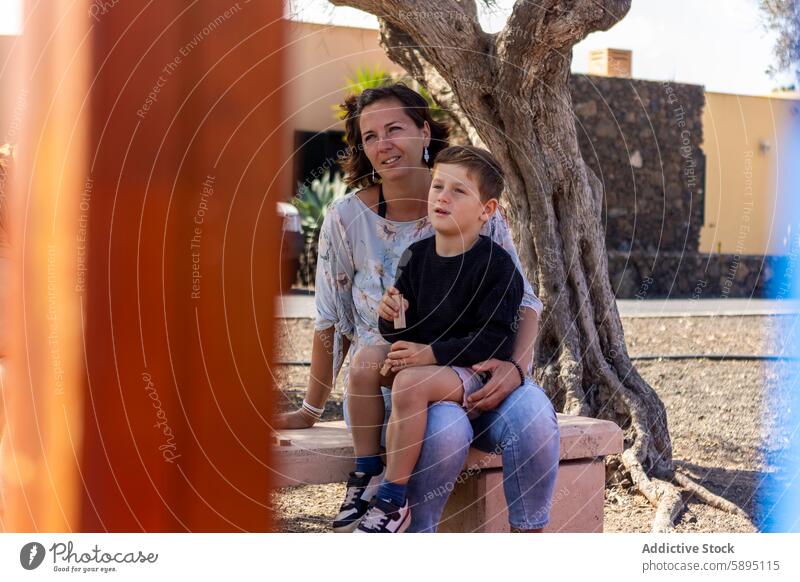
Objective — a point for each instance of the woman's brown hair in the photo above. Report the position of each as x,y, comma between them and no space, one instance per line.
357,167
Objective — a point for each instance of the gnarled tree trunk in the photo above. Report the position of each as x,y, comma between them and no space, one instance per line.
509,91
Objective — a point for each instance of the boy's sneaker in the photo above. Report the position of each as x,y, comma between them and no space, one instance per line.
385,517
361,488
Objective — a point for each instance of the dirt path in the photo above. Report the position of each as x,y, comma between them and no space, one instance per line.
724,417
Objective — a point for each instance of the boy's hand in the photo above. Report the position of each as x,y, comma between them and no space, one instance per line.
389,307
408,354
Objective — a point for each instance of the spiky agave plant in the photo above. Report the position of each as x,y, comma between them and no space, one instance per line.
312,202
367,78
362,78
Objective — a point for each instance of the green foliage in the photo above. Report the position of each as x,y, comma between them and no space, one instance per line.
312,202
437,112
372,77
782,17
367,78
363,78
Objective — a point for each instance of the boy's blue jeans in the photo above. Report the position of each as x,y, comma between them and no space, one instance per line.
524,428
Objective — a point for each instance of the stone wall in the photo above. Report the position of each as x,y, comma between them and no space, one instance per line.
697,276
642,139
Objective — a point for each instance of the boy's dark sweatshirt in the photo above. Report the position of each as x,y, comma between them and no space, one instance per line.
465,307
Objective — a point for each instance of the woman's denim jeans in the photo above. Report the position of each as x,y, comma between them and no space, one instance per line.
523,428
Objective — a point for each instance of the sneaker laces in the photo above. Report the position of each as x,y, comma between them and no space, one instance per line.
375,519
353,493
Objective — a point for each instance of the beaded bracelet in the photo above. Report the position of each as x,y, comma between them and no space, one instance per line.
519,370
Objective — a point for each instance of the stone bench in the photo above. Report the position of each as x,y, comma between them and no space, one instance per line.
324,454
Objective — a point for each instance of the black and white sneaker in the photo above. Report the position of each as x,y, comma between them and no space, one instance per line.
361,488
385,517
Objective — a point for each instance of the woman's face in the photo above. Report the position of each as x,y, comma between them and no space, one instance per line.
391,140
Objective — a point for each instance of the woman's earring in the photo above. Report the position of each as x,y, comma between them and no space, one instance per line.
425,155
373,174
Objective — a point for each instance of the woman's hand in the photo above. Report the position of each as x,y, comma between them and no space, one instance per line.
389,307
504,380
408,354
296,419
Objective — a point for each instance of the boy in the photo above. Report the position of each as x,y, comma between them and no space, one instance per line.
461,296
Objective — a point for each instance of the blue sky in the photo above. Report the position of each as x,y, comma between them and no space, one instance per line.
717,43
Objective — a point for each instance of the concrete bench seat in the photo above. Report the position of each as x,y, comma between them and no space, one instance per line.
324,454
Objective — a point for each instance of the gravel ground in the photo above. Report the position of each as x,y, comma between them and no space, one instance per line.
724,416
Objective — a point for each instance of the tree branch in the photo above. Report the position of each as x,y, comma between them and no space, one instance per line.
538,27
377,7
453,13
448,31
400,48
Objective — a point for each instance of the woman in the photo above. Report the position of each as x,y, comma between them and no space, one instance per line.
392,143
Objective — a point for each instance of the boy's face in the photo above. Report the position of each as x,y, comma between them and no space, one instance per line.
454,203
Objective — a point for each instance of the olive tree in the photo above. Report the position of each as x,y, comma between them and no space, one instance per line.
509,91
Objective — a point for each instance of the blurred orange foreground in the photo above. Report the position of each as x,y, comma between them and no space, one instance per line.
142,238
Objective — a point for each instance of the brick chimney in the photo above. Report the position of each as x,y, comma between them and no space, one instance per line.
610,62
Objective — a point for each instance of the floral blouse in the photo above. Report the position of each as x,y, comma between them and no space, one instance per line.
357,260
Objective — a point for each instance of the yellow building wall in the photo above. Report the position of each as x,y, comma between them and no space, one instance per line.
320,59
743,138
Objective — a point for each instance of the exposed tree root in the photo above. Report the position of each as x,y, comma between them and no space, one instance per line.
661,494
706,496
667,498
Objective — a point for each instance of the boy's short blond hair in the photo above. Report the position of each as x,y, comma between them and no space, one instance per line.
480,163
